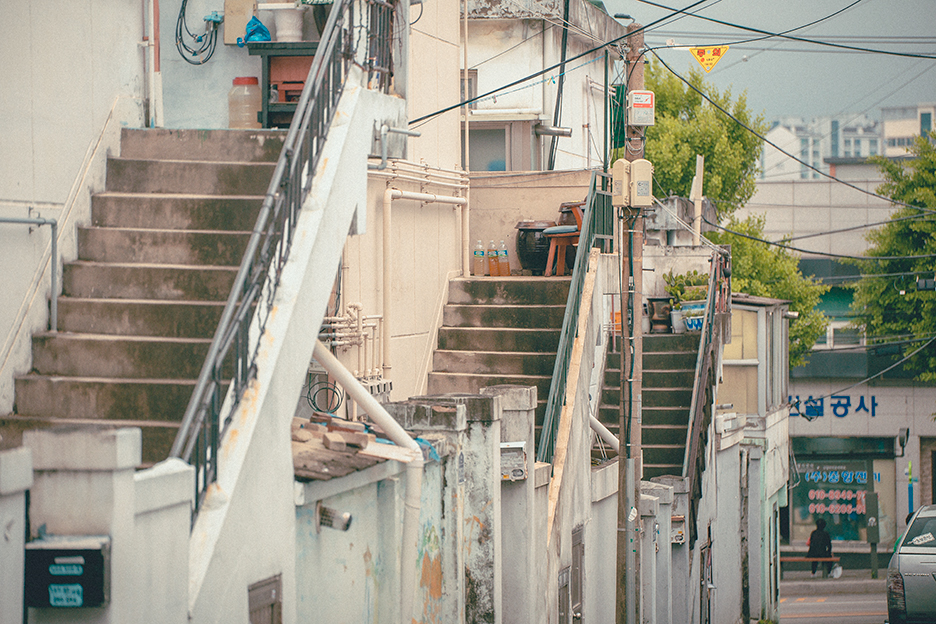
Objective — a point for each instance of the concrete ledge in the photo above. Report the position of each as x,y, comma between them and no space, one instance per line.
168,483
428,413
478,408
84,448
542,473
513,398
16,470
661,491
649,505
604,481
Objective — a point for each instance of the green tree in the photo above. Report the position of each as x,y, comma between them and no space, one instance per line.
887,303
686,125
766,271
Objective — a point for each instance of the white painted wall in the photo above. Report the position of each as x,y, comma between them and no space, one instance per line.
68,69
16,477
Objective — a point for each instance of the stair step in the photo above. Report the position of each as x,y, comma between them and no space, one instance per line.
157,437
658,470
510,290
667,361
446,383
504,339
668,379
175,211
669,397
145,175
103,398
663,453
688,342
140,317
664,434
493,362
223,145
124,245
527,316
129,357
147,281
666,416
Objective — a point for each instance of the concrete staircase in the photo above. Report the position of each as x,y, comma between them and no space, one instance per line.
500,331
669,362
141,303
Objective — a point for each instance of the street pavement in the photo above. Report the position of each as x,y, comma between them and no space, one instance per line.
855,598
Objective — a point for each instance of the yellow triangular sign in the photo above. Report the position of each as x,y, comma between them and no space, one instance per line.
708,57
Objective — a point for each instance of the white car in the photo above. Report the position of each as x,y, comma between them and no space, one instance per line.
911,575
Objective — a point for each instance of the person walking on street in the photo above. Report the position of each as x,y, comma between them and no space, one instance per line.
820,545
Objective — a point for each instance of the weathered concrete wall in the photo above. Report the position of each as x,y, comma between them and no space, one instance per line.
85,484
601,546
16,477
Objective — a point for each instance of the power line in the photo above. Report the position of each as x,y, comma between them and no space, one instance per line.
816,253
547,69
781,150
787,239
863,381
784,36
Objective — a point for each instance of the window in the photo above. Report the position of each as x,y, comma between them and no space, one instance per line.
503,145
926,123
578,573
840,334
872,147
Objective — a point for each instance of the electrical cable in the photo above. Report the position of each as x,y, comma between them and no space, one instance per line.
778,148
544,70
796,404
876,345
784,36
333,402
419,17
817,253
787,239
207,42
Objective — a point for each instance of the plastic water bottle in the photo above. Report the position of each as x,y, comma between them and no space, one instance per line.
478,258
503,260
493,265
244,103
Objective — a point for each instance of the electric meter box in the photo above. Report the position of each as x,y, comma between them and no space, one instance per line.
513,461
641,106
641,183
620,183
67,572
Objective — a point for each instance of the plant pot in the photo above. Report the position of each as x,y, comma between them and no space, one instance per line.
679,324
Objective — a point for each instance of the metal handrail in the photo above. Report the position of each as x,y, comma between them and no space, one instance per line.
597,229
53,271
717,310
255,286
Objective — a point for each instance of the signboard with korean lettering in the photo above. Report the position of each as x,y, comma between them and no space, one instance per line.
836,491
838,405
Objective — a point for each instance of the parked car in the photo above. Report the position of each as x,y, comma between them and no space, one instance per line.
911,575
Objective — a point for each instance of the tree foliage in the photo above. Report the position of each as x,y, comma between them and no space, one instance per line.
765,271
885,313
686,125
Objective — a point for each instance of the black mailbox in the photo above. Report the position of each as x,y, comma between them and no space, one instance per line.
67,572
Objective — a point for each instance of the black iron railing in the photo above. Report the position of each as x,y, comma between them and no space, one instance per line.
714,327
257,280
597,230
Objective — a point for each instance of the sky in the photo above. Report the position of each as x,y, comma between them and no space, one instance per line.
803,79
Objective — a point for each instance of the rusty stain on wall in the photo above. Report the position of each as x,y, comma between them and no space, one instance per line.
430,584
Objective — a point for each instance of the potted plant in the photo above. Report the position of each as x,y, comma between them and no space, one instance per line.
688,292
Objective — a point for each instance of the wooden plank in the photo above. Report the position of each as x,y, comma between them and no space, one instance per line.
565,416
387,451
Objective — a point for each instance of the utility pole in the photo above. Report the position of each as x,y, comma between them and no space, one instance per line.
630,466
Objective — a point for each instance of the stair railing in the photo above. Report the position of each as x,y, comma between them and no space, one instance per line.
597,230
715,330
255,286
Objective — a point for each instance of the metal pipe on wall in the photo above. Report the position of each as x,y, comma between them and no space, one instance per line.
389,195
414,470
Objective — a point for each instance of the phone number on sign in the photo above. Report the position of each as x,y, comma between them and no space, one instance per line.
835,495
836,508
